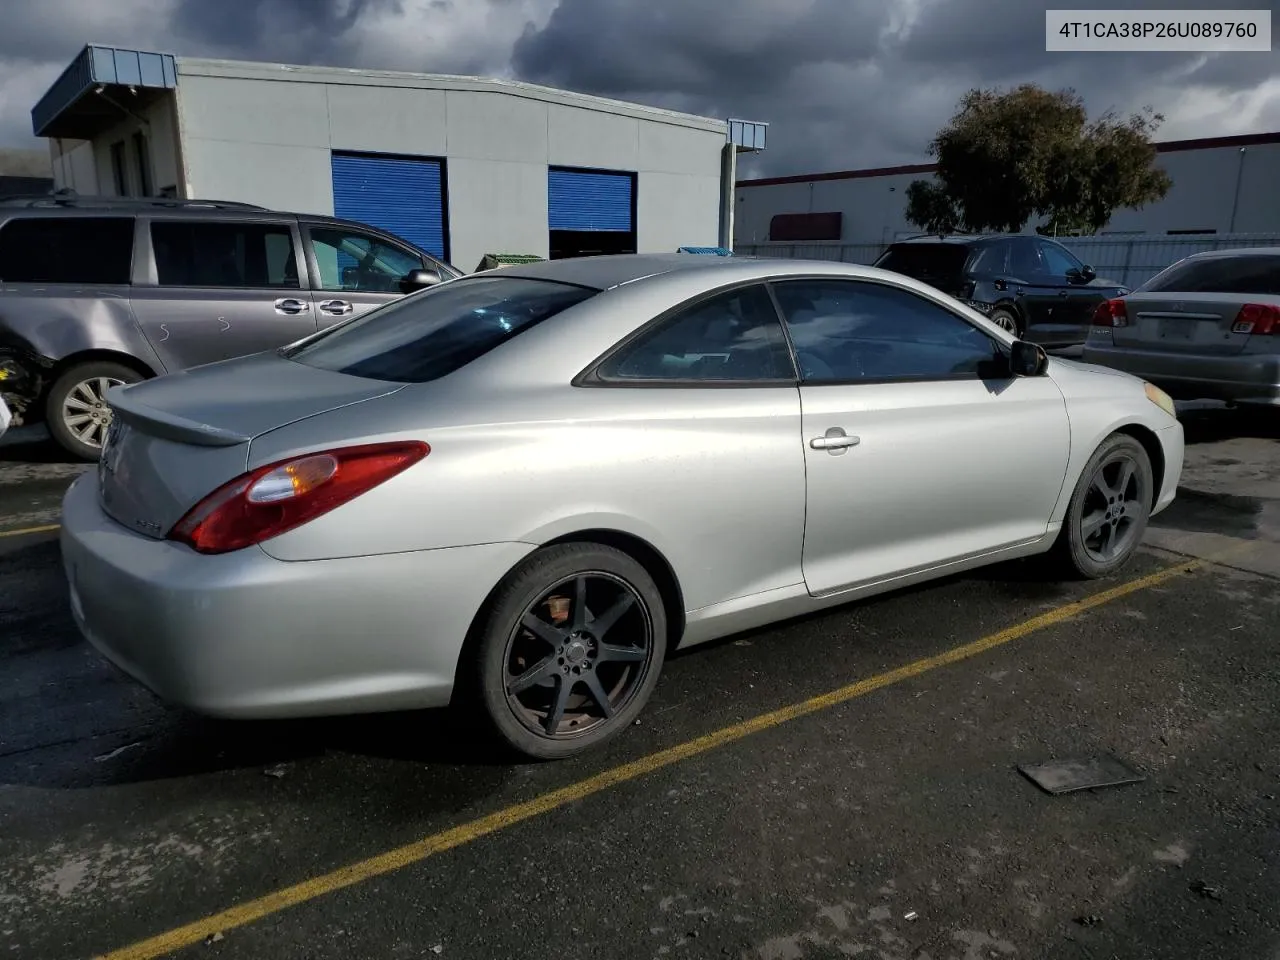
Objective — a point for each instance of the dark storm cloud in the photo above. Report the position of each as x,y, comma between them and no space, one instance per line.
843,83
692,48
259,28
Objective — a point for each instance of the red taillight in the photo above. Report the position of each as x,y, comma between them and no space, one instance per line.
1258,319
270,500
1111,313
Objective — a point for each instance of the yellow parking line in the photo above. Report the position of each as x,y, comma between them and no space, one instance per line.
30,531
392,860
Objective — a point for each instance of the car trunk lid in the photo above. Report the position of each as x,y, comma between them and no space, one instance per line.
1192,323
176,439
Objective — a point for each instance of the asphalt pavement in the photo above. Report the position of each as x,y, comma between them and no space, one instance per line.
884,816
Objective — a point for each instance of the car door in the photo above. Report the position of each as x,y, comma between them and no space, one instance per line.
920,448
221,288
1032,288
1075,315
354,271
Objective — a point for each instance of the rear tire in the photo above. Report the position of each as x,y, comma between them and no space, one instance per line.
1108,512
586,668
1005,318
75,410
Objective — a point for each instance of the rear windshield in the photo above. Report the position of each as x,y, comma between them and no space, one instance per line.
1254,273
434,333
924,260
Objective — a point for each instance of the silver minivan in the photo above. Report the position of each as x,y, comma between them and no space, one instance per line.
96,292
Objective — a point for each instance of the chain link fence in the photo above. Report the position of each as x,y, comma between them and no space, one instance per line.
1130,260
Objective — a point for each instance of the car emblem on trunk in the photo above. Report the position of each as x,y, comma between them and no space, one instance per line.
1179,307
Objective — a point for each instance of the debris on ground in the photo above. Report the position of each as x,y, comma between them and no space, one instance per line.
1088,773
1089,920
277,771
1206,890
213,938
104,757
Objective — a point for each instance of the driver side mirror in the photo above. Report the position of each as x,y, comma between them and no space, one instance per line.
1085,274
418,280
1027,359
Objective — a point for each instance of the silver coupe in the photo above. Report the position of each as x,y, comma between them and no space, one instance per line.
517,491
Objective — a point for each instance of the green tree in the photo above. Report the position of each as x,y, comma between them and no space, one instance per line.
1006,158
929,207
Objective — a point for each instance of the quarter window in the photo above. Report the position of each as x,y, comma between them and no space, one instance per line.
360,262
857,332
732,336
87,250
241,255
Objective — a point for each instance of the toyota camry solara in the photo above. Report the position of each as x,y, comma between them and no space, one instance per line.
517,491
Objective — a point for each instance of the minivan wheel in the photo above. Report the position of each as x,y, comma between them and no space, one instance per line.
569,650
76,410
1109,509
1007,320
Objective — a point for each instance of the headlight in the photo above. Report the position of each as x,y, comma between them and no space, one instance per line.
1161,399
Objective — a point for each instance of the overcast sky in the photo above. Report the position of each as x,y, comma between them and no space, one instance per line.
842,83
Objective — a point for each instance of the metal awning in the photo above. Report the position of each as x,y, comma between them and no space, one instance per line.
101,87
747,135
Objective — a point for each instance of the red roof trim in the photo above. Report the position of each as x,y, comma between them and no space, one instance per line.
1170,146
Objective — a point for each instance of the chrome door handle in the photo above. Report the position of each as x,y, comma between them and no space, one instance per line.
290,305
1064,293
339,308
834,439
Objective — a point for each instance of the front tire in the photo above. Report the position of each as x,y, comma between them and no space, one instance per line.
76,410
1109,510
569,650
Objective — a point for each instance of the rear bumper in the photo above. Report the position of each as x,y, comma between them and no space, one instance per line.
245,635
1246,377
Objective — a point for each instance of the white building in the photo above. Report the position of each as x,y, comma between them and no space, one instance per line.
461,166
1221,185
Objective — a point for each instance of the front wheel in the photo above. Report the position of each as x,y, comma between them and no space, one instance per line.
1109,509
76,411
569,650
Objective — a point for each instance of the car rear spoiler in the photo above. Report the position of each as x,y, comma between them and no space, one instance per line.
169,426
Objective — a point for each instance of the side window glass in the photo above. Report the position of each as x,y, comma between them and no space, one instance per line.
734,336
990,259
355,261
849,331
89,250
224,254
1025,260
1057,262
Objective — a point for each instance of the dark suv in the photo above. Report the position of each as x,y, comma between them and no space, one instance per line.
96,292
1032,286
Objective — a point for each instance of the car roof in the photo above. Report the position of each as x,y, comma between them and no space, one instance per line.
957,239
1235,252
612,270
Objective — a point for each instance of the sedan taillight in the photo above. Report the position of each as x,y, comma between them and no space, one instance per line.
1111,313
278,497
1257,319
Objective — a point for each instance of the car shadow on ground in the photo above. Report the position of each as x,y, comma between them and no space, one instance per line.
1213,424
31,445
